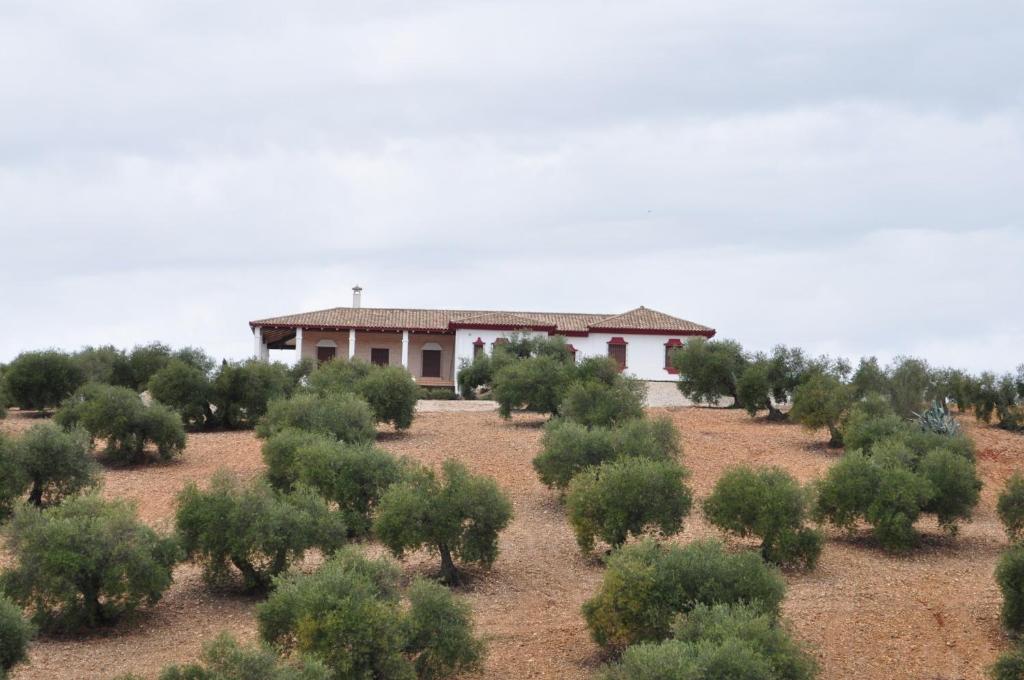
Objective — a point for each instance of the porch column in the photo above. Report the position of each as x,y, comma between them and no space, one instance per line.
405,350
257,350
351,343
298,344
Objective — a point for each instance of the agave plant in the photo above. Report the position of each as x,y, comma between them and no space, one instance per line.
937,419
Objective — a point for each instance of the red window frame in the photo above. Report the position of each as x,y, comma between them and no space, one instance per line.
617,351
672,345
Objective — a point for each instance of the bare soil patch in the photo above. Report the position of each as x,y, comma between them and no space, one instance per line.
866,614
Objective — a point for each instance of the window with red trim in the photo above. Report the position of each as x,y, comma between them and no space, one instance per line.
478,348
670,347
617,351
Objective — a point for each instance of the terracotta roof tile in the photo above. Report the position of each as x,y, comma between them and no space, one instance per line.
639,319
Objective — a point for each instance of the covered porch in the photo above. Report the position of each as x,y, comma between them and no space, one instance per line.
428,356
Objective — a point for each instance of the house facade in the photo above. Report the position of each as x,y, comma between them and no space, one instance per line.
431,343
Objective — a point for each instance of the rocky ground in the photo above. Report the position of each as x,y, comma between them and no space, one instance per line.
865,614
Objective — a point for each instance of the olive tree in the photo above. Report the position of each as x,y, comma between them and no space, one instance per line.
225,659
344,416
1010,507
54,463
252,528
770,504
821,402
593,402
186,389
535,384
241,392
459,515
13,480
15,634
1010,577
627,497
709,369
349,615
85,562
41,380
909,379
118,415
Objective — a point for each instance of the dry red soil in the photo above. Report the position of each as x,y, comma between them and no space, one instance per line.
865,614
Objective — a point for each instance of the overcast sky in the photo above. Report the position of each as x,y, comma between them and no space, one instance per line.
844,176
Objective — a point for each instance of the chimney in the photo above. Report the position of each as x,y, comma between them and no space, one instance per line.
357,294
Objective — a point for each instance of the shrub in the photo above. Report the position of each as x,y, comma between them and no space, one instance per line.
767,503
392,394
1010,577
847,490
646,586
279,455
1009,665
909,381
656,439
348,615
354,476
339,376
440,393
568,448
868,422
13,479
41,380
118,415
474,374
709,369
624,497
15,633
754,389
955,486
820,402
225,659
771,379
600,368
55,463
592,402
85,562
344,416
1010,507
242,391
143,363
186,389
734,659
535,384
253,528
460,516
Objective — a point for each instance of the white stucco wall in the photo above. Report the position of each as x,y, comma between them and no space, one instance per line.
645,354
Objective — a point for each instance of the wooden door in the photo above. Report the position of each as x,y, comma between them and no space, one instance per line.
431,363
325,353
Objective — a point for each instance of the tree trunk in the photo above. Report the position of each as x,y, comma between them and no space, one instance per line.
775,414
253,579
36,497
836,437
449,574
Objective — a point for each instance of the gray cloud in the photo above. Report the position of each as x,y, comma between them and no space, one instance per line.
834,174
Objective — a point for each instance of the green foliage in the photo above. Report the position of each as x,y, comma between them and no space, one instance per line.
822,401
459,515
568,448
143,363
647,585
600,368
242,391
13,479
592,402
118,415
1009,665
339,376
349,616
535,384
15,634
41,380
474,374
767,503
441,393
910,380
869,378
627,497
279,454
733,659
186,389
105,364
869,421
85,562
1002,396
754,389
392,394
950,384
955,487
709,369
225,659
55,464
344,416
439,633
1010,507
353,476
771,379
1010,577
252,528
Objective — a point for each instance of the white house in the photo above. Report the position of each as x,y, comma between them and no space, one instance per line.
431,343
